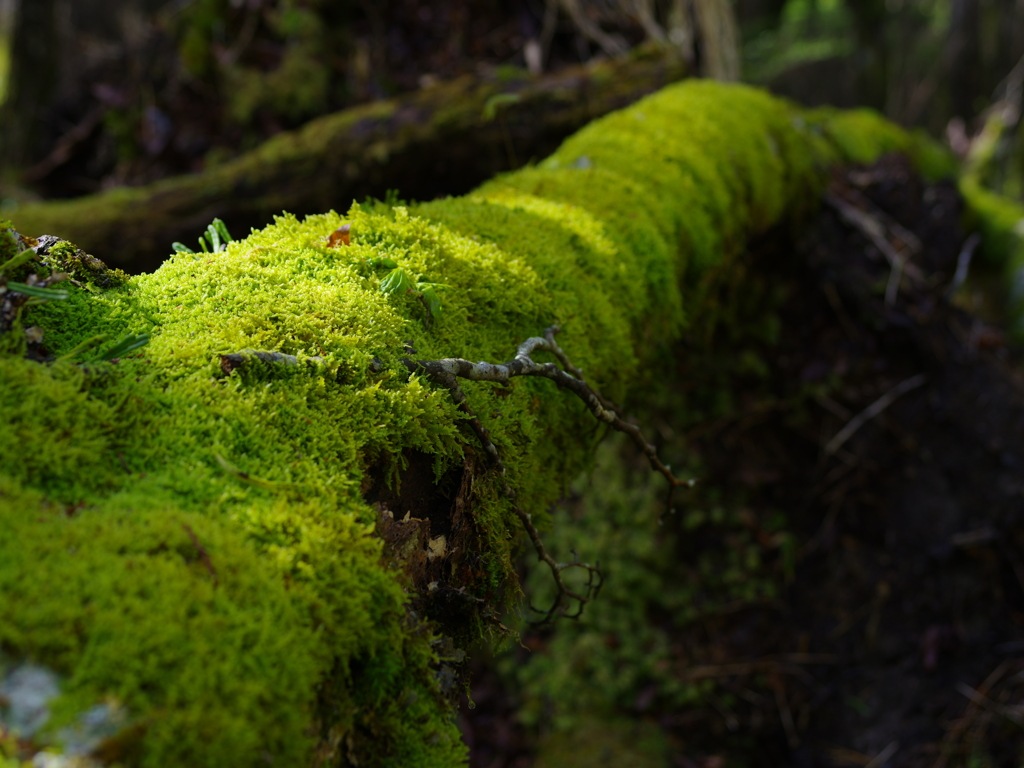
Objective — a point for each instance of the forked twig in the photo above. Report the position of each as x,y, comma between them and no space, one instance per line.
559,607
448,371
875,231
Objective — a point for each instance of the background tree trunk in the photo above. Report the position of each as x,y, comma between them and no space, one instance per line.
31,82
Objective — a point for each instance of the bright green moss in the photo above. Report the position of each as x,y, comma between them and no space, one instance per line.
860,135
8,243
217,566
1000,221
863,135
118,598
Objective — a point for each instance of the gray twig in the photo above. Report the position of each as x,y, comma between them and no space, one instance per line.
963,262
875,231
448,371
445,376
873,410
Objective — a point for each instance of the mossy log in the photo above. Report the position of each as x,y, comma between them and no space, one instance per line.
441,140
216,557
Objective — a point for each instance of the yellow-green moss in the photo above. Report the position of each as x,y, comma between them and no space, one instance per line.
1000,220
195,545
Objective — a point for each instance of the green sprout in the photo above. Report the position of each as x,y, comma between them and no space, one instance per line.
397,281
17,261
83,346
129,343
218,236
38,292
496,102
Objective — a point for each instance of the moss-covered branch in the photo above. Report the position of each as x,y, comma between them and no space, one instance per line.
250,559
448,137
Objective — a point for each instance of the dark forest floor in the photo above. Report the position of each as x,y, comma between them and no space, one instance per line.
894,631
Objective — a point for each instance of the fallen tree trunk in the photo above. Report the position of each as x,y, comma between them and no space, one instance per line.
271,532
441,140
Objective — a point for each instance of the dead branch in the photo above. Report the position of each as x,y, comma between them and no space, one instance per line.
879,229
365,150
448,371
963,263
779,664
559,607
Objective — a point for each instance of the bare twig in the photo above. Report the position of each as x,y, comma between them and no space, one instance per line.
594,577
983,701
235,360
884,756
64,146
781,664
448,371
963,263
837,306
967,719
875,231
612,45
887,223
893,286
204,556
549,336
872,411
785,714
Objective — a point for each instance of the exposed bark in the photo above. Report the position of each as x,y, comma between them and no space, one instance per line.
441,140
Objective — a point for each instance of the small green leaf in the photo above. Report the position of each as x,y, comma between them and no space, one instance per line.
221,228
36,291
181,248
245,477
129,343
214,237
383,262
432,299
396,281
17,261
83,346
498,100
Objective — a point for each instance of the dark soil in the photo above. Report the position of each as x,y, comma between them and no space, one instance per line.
899,639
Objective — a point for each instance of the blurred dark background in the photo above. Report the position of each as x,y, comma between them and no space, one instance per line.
100,93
